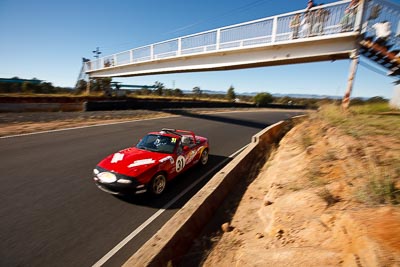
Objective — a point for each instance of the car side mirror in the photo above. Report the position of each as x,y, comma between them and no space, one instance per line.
185,148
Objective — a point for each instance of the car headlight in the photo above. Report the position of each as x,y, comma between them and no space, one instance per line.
107,177
124,181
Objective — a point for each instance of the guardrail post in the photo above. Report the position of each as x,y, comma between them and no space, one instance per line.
151,52
274,29
114,63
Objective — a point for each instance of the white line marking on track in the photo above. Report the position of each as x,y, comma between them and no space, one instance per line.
120,122
83,127
121,244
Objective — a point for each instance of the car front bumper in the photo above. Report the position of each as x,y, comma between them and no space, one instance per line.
121,186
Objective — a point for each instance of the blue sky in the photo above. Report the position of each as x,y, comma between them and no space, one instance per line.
47,39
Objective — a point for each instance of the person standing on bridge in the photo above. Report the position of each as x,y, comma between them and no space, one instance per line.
347,20
295,26
306,22
354,4
320,18
310,5
305,25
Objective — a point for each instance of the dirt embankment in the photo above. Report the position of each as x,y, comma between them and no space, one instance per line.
325,198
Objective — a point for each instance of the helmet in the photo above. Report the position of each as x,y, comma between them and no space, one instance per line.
185,140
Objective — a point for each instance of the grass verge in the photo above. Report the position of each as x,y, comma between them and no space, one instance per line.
373,155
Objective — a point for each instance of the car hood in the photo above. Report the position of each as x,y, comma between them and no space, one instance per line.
132,161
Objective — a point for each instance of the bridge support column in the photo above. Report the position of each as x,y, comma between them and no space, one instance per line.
355,58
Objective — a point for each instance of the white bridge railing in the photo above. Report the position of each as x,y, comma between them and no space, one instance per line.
322,20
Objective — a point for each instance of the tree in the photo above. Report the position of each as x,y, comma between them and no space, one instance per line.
230,95
95,85
262,99
159,88
376,99
196,91
101,85
168,92
46,88
27,87
9,88
178,92
144,91
81,87
106,86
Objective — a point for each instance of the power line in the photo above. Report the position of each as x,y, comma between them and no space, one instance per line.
213,19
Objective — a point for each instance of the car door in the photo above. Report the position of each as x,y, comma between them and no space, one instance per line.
185,156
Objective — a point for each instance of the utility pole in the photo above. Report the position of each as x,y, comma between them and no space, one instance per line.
96,52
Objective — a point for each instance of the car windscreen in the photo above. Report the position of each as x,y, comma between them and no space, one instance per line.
158,143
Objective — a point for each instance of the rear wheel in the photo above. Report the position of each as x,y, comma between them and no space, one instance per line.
158,184
204,157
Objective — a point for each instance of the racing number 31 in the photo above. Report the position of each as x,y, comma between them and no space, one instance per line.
180,163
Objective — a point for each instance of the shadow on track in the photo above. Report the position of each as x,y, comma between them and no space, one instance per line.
218,118
179,184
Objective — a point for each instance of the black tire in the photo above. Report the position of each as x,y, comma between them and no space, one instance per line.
204,157
158,184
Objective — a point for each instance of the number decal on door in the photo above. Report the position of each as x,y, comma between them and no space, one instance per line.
180,163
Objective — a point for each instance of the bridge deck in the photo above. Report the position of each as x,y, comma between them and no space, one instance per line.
327,32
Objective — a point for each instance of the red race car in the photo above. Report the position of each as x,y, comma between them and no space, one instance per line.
156,159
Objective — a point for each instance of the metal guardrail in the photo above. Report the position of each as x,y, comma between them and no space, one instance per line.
322,20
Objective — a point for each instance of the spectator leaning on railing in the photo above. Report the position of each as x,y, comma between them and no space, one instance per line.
310,5
295,26
347,20
321,16
306,25
349,16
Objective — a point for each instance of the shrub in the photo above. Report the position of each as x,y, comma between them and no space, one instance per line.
263,99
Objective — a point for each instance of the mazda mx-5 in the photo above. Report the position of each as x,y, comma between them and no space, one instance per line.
147,167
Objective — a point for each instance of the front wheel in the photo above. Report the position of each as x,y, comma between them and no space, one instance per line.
204,157
157,184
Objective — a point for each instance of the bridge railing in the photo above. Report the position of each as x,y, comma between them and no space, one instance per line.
319,21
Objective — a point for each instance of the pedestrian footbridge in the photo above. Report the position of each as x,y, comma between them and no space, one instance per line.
327,32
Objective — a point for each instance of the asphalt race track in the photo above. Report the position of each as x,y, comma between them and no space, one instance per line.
51,212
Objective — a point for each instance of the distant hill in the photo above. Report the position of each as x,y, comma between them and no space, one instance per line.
313,96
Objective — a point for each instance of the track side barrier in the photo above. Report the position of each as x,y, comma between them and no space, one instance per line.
172,241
